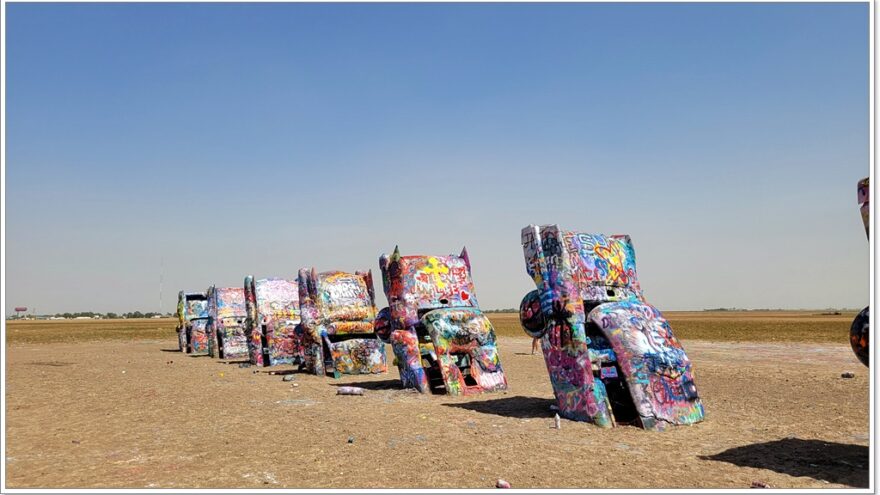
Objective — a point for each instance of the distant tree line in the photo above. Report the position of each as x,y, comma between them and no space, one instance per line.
81,314
507,310
138,314
93,314
110,315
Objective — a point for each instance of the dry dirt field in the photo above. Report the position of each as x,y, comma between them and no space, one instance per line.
112,404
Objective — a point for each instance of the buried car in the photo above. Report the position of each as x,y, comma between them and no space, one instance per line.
441,340
861,325
611,356
273,320
192,321
227,314
338,323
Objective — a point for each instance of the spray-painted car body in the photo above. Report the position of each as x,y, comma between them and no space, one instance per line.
861,325
611,356
441,339
273,320
192,322
338,323
227,313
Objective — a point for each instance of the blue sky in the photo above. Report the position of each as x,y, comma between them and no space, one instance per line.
220,140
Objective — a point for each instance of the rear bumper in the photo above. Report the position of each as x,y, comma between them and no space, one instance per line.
464,343
279,345
234,343
657,371
198,336
358,356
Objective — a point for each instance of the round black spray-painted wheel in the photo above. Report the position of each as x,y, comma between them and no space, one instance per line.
858,335
530,316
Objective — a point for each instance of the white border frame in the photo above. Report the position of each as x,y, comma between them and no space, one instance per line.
874,374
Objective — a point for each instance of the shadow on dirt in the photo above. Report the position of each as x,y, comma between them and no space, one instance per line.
373,385
511,407
170,350
268,370
833,462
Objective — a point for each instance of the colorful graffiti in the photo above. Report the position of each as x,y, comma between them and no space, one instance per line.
181,322
464,347
198,336
530,316
864,193
192,314
272,325
227,313
658,372
611,357
440,338
859,338
338,331
859,331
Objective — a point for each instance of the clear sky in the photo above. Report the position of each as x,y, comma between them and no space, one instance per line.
229,139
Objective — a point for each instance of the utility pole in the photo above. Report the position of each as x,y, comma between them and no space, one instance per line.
161,273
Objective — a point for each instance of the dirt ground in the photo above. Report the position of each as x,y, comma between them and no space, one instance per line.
140,414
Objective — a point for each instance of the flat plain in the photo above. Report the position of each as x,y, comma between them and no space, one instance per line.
112,404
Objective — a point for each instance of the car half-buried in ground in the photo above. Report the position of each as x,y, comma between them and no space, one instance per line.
273,320
861,325
227,314
192,322
442,342
611,356
338,323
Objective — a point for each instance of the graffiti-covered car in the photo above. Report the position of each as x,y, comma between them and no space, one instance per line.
192,322
612,357
858,332
227,314
338,323
273,320
443,343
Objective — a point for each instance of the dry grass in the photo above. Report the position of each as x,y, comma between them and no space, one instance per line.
69,331
734,326
726,326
